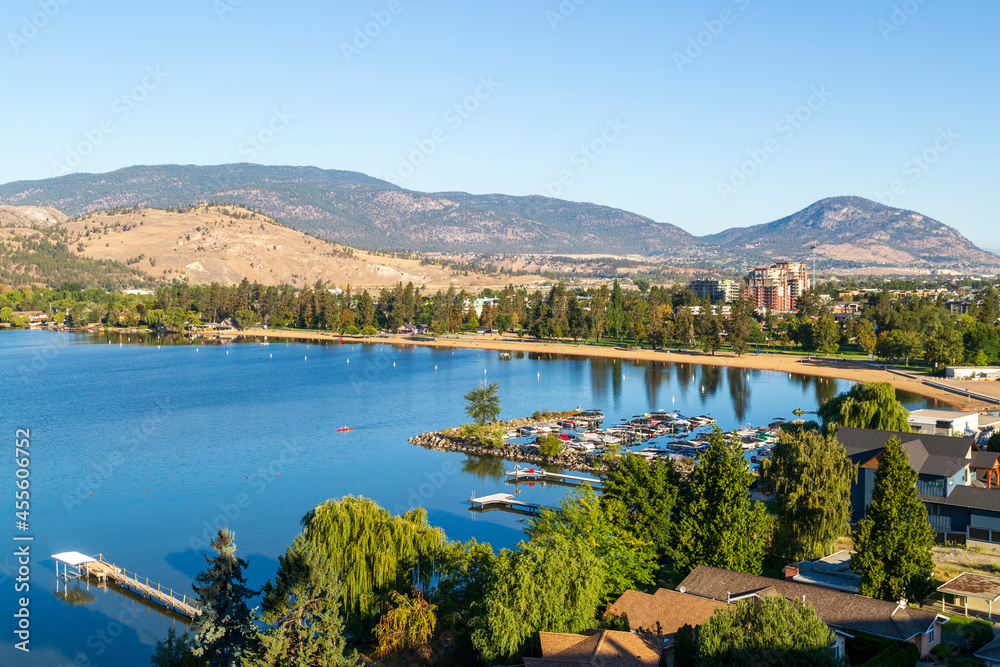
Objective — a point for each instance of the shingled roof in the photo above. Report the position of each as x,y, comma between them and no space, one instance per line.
976,497
597,647
940,455
670,609
836,608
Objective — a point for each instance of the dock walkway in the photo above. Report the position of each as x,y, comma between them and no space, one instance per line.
99,568
532,474
503,501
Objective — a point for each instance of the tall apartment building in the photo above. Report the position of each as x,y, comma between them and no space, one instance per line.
778,287
717,290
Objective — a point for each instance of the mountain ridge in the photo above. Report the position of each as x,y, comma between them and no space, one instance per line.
363,211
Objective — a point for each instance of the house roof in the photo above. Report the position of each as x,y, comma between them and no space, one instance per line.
833,571
928,413
671,609
836,608
984,460
939,455
972,585
976,497
597,647
991,651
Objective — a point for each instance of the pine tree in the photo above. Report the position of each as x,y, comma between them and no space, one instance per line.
718,524
224,630
811,476
866,405
893,542
302,608
484,403
648,492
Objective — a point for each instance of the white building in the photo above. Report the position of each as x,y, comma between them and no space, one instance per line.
944,422
972,372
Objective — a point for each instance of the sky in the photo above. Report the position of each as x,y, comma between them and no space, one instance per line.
707,115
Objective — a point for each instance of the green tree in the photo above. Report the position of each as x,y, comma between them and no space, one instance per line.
302,608
246,318
484,403
629,560
686,646
866,405
944,346
739,331
709,328
224,630
899,344
718,524
174,651
865,335
616,311
826,334
993,444
893,542
766,631
549,585
6,313
373,552
407,625
549,445
811,476
648,492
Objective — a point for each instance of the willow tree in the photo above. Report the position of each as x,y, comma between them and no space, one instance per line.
373,552
811,475
866,405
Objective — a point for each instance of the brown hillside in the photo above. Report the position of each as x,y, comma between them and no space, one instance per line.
226,244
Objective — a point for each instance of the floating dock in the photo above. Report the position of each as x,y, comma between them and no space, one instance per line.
503,501
99,568
533,475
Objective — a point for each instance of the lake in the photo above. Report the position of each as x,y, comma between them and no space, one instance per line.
142,451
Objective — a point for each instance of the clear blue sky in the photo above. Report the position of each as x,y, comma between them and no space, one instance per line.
923,81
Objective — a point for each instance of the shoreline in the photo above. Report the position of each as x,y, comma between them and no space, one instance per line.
830,367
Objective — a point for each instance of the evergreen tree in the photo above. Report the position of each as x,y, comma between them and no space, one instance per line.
812,476
865,334
302,608
709,328
616,311
373,552
866,405
718,524
893,542
224,630
761,632
648,492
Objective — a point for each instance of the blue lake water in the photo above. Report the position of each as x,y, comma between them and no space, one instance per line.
141,452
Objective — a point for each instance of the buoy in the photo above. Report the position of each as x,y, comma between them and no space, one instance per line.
270,356
348,361
394,364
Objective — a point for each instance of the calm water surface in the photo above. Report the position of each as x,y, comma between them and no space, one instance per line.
141,452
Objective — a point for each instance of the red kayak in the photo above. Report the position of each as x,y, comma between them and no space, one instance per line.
346,428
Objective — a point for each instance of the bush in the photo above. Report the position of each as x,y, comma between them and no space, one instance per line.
978,633
485,436
549,445
351,330
369,330
967,662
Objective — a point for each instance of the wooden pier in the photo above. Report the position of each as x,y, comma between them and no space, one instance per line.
100,569
531,474
503,501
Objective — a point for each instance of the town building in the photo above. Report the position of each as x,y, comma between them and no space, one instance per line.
845,613
717,290
954,478
972,372
777,287
944,422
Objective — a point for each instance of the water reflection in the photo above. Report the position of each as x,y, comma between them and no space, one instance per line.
484,468
739,392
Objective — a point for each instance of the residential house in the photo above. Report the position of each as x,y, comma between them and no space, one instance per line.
597,647
955,480
663,613
990,654
971,591
844,612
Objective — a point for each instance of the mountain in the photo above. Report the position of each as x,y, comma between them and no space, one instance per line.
362,211
201,244
851,231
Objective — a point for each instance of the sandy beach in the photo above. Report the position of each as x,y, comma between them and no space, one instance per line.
819,366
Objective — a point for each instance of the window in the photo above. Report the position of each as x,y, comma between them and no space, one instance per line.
933,633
